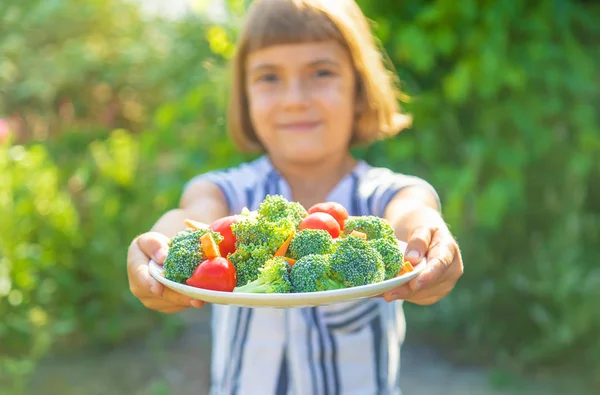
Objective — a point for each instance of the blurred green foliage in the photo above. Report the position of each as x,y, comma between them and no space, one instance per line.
113,111
79,179
505,97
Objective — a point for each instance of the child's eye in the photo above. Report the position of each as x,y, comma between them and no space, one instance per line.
269,77
324,73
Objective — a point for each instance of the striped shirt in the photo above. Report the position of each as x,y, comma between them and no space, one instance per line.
347,348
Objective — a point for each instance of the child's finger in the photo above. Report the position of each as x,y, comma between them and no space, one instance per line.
437,266
141,283
154,245
173,310
418,243
170,308
402,292
175,298
148,282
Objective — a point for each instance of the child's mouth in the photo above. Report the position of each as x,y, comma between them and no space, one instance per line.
298,127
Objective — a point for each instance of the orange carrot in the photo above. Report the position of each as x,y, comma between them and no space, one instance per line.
281,251
406,268
356,233
291,261
209,246
193,224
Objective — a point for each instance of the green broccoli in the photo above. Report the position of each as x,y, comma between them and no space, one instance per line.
247,260
185,254
273,277
310,241
276,207
356,263
374,227
260,231
258,237
391,254
312,273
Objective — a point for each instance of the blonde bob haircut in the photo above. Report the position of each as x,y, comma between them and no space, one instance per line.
274,22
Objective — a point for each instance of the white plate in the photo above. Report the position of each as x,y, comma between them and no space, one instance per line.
306,299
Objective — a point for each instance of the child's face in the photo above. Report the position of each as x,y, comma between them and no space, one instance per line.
301,99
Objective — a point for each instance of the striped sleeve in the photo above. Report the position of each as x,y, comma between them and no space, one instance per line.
379,186
222,179
235,183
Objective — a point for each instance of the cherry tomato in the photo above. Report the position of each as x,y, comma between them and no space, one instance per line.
322,221
223,226
217,274
334,209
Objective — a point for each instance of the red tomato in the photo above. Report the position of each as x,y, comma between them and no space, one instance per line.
223,226
322,221
334,209
217,274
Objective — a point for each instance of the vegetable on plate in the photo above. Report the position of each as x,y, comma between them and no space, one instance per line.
283,248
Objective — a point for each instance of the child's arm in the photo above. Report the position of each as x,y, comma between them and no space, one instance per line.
414,215
202,201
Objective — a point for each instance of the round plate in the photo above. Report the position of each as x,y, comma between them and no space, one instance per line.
306,299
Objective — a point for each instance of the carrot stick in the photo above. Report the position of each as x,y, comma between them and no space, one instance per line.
291,261
193,224
281,251
356,233
209,246
406,268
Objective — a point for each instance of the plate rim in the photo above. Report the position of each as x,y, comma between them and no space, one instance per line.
285,299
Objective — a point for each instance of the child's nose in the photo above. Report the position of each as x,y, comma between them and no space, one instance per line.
296,93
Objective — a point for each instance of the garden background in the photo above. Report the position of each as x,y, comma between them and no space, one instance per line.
106,110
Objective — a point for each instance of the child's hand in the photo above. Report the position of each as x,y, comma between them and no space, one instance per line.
143,286
444,266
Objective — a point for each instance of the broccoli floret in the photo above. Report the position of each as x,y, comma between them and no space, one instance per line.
257,240
374,227
310,241
391,254
273,278
247,260
247,213
356,263
312,274
185,254
260,231
276,207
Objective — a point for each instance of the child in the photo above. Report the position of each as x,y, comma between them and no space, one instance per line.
308,84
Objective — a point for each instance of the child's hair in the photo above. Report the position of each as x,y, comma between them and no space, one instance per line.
272,22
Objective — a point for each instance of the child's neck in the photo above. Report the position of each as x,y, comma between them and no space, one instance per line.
311,183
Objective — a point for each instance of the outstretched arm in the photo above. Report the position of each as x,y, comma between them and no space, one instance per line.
415,216
202,201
